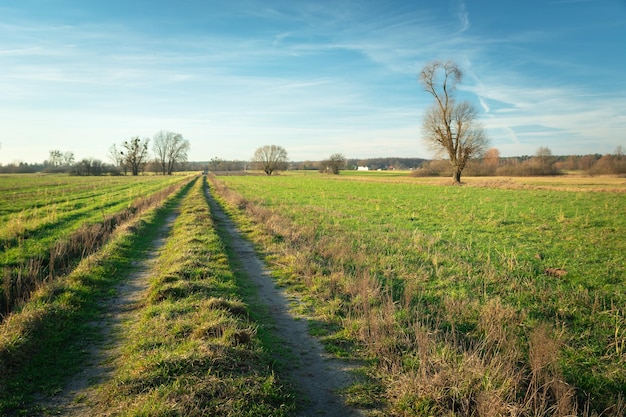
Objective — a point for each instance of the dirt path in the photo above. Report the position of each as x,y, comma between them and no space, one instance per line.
316,375
74,401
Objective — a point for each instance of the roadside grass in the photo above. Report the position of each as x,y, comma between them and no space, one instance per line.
479,300
279,355
42,344
192,348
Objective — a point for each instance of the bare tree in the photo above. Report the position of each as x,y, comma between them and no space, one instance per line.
135,153
169,149
334,164
56,158
491,161
270,158
68,159
117,157
450,127
542,162
215,163
61,161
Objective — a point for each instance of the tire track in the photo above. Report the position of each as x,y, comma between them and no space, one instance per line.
75,399
316,374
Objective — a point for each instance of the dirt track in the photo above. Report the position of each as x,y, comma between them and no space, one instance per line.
75,400
314,374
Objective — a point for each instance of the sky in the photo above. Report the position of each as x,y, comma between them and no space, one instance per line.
315,77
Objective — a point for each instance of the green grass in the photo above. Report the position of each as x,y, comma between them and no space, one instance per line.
36,211
49,223
478,267
42,345
192,349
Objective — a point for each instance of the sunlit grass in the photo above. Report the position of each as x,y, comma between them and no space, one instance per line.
477,268
49,223
42,345
192,349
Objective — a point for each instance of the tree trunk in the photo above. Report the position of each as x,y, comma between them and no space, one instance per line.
457,176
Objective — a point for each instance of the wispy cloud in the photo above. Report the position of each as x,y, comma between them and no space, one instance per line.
463,16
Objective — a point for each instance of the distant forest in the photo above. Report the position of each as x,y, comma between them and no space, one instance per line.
542,163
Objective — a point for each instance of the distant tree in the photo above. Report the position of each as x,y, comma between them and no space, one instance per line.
450,127
56,158
117,158
59,161
619,161
434,168
542,162
135,153
83,167
97,167
570,163
492,160
88,166
170,149
610,164
68,159
153,166
334,164
270,158
215,163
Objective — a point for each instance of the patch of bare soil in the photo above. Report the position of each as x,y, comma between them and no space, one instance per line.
75,399
315,374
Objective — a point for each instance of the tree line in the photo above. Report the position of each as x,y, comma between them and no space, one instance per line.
133,156
543,162
490,164
450,130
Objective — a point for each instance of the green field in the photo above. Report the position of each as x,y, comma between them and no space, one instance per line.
36,211
45,220
499,296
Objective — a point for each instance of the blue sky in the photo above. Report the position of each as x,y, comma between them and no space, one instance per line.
314,77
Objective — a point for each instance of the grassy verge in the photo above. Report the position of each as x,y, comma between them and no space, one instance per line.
468,301
192,348
41,345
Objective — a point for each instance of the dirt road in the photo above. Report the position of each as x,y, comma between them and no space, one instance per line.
76,398
316,375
